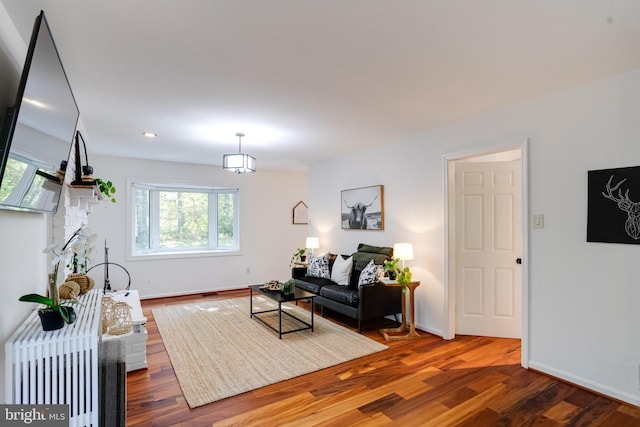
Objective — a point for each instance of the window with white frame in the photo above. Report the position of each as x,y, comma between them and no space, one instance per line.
184,219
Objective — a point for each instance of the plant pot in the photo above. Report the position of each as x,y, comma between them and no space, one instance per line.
50,319
392,276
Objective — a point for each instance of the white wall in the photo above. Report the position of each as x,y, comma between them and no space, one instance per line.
268,237
23,236
23,270
582,315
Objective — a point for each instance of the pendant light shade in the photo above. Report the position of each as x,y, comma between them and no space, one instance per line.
239,162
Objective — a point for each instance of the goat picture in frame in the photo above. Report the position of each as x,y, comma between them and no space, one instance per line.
362,208
613,207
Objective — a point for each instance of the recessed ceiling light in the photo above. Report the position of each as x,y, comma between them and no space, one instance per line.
150,134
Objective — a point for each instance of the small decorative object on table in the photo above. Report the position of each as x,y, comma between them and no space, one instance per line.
120,324
272,285
69,290
287,287
107,313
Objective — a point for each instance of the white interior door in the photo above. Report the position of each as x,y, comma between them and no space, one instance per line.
488,245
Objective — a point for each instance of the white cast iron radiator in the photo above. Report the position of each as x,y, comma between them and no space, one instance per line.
58,367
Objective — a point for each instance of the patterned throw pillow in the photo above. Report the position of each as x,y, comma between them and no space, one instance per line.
318,266
369,274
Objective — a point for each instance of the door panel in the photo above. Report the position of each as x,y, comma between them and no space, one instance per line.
488,242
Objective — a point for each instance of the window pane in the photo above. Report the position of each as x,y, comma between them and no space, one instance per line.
183,219
142,219
13,174
32,198
225,219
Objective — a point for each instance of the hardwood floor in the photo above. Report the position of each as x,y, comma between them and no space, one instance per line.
469,381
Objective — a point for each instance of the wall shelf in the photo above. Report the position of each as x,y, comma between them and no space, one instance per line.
84,196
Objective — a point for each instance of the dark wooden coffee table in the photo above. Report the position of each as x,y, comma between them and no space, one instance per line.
278,297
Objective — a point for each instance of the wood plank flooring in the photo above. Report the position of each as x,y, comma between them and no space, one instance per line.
469,381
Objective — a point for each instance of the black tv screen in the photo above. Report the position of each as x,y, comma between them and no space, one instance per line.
37,132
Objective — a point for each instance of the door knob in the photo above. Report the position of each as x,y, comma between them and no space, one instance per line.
518,260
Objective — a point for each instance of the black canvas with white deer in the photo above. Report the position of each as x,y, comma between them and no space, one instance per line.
613,212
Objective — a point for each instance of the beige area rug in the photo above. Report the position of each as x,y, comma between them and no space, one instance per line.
218,351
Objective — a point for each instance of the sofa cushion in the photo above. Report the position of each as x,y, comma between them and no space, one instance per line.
341,270
318,266
369,274
383,250
312,284
366,253
342,294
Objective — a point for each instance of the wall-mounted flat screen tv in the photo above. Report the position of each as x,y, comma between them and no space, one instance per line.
37,131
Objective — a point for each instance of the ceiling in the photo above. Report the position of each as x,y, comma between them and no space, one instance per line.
308,80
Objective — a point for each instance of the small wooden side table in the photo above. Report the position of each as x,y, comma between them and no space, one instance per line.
400,333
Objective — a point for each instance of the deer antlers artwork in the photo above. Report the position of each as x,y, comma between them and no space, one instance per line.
632,225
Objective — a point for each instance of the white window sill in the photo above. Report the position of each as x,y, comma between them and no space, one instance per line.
181,254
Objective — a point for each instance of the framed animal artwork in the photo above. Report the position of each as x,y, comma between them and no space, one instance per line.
362,208
613,207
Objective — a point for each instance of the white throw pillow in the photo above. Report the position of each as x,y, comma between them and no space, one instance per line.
341,271
318,266
369,274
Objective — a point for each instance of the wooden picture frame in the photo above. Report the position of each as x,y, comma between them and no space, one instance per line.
362,208
300,214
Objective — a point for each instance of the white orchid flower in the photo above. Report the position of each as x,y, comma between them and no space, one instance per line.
52,248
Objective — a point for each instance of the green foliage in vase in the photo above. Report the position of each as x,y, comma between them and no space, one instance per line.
107,188
403,275
296,257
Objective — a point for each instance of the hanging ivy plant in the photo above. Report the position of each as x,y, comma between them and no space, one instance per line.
107,189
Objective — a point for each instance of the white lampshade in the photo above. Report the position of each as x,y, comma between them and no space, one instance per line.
403,251
239,162
313,243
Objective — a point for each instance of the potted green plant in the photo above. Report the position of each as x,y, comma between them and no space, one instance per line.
391,267
298,256
394,271
107,189
56,313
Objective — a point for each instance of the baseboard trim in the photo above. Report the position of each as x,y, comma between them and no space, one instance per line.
194,292
592,386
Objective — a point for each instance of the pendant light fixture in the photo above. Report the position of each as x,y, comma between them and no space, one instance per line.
239,162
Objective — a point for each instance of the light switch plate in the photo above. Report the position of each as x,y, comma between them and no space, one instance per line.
538,220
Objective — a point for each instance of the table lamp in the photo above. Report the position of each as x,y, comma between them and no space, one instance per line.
403,251
312,243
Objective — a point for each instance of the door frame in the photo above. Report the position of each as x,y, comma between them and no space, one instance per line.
449,206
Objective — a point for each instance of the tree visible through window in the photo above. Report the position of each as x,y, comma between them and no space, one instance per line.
184,219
